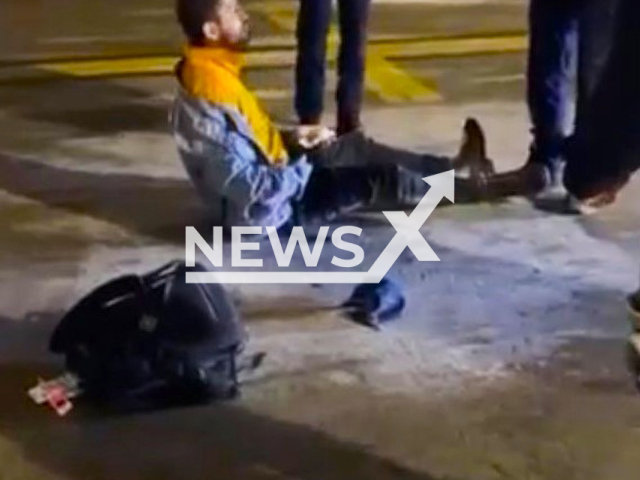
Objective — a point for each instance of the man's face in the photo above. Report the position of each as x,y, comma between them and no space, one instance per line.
231,25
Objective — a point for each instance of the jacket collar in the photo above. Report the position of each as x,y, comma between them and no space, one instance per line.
217,57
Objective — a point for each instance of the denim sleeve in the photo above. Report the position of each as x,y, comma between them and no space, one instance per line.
261,191
226,163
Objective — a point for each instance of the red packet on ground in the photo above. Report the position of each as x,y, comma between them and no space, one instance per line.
56,393
57,398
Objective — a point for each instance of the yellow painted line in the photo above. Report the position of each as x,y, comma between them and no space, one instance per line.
421,49
446,47
394,84
288,40
389,81
283,15
99,68
150,12
384,77
516,77
272,94
157,65
266,43
266,5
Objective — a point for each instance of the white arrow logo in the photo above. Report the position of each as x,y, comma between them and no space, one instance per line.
407,236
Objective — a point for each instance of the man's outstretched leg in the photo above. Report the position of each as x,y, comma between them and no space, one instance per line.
358,172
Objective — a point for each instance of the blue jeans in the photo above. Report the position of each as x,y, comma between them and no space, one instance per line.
314,19
552,77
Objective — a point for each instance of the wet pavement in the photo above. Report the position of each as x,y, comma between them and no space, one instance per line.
508,362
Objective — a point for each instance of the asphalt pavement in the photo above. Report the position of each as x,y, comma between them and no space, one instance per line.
508,362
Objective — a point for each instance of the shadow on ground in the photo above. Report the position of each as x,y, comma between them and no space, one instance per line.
155,207
228,441
99,106
218,441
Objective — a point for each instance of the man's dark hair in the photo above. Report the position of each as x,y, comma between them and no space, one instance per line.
192,15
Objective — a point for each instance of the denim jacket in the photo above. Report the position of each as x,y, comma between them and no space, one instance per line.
228,168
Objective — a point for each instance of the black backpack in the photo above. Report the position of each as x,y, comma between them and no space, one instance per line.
154,339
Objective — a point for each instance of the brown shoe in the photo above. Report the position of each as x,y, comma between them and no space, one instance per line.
472,166
526,181
472,158
482,183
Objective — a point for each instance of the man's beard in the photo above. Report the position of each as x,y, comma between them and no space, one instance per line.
240,44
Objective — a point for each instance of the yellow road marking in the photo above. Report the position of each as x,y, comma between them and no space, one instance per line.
384,77
390,82
449,47
516,77
394,84
98,68
273,94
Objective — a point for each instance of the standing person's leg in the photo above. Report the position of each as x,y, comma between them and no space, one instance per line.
552,78
552,96
552,90
596,26
605,148
354,16
314,18
597,19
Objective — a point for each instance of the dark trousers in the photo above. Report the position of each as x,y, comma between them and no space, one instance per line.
356,169
357,150
567,50
552,77
605,147
314,19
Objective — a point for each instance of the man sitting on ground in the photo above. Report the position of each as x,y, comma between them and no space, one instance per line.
249,172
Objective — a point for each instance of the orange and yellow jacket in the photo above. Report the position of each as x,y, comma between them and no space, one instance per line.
233,153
